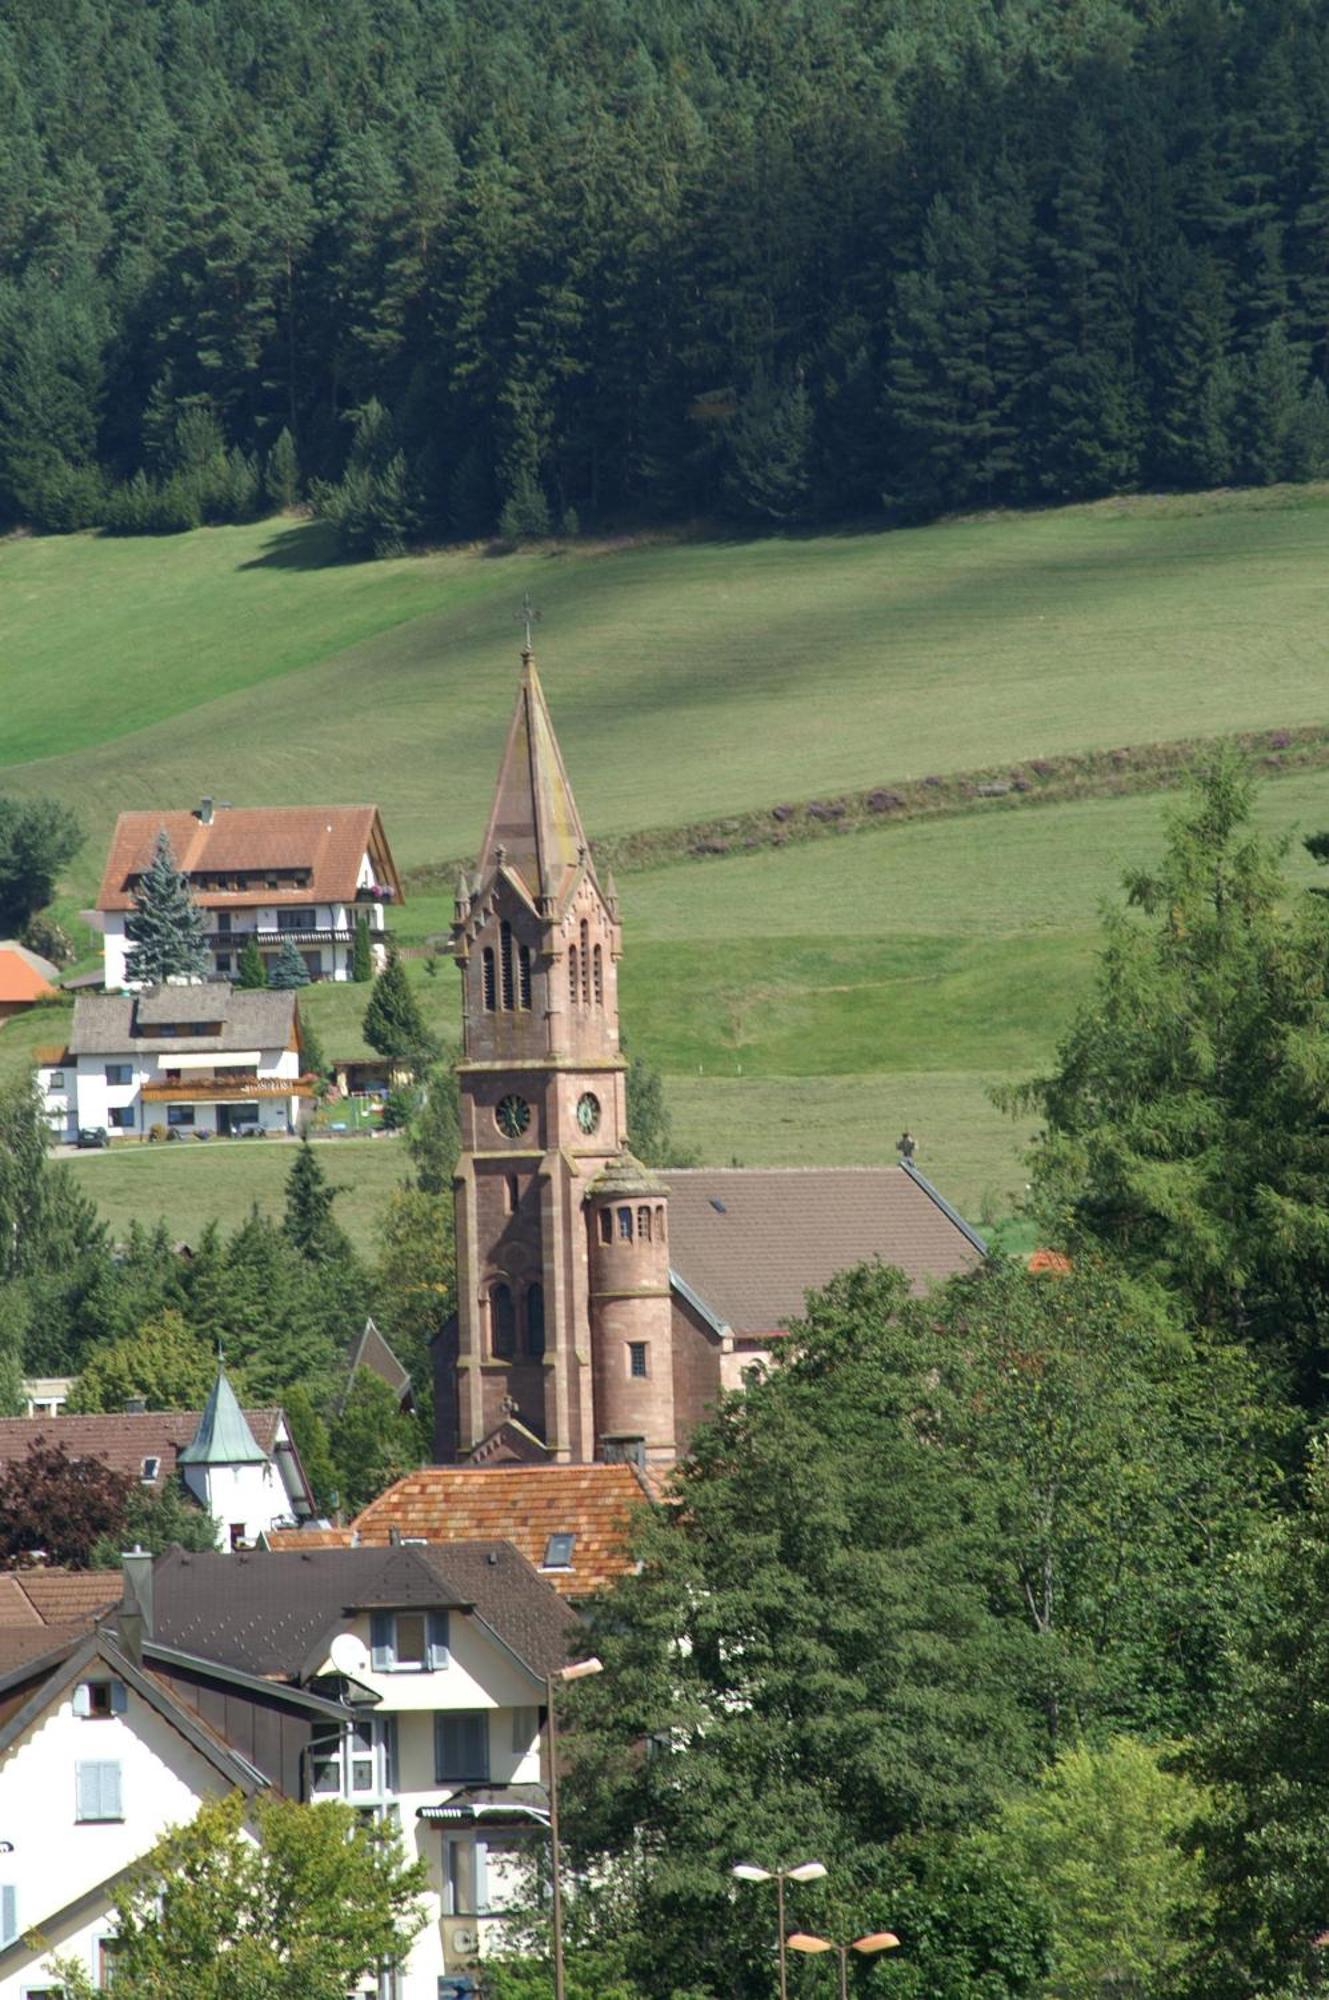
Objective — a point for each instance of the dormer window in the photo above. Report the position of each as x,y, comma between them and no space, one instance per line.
406,1642
151,1467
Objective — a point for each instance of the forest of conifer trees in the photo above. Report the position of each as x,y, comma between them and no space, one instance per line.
462,265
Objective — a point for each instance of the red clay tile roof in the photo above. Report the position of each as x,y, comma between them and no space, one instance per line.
329,841
20,977
521,1504
67,1596
16,1608
1055,1261
751,1241
124,1439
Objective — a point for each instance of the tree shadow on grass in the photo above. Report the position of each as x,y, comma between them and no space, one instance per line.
298,545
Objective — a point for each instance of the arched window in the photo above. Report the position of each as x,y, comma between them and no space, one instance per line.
585,963
512,1193
535,1321
505,946
606,1225
524,976
487,974
574,991
659,1223
599,978
502,1323
625,1225
644,1224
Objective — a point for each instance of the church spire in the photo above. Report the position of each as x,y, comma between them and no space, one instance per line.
534,827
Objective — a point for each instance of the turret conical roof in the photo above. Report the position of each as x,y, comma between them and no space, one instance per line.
223,1436
534,820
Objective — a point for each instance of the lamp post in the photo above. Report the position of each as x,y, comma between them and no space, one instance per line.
806,1871
580,1672
874,1941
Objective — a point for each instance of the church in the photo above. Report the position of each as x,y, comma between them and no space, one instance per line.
603,1306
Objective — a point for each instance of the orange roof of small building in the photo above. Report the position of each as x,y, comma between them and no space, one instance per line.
1050,1260
522,1504
328,843
21,976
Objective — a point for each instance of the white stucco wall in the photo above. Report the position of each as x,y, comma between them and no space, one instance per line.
87,1098
56,1859
252,1498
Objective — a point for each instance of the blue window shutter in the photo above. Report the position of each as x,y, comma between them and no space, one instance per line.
8,1913
479,1744
390,1753
119,1697
82,1699
87,1791
382,1646
443,1749
438,1639
481,1878
110,1788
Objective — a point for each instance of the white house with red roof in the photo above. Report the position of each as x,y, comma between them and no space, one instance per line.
303,873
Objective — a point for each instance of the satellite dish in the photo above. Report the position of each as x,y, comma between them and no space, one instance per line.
349,1655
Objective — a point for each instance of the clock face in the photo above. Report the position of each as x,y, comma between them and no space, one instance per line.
512,1116
588,1112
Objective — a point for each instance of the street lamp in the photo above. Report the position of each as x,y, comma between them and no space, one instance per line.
806,1871
580,1672
874,1941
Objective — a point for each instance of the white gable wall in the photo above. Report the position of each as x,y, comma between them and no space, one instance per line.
57,1859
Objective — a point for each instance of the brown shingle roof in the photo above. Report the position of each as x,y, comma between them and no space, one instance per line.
123,1439
267,1613
108,1024
525,1505
329,841
751,1241
22,1643
70,1596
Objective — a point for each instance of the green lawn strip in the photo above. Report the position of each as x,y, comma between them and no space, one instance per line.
705,679
192,1183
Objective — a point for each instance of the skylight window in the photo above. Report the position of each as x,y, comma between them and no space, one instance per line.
558,1552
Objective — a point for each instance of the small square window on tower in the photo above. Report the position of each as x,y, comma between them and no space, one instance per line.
637,1359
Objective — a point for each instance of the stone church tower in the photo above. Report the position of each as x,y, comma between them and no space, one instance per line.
563,1323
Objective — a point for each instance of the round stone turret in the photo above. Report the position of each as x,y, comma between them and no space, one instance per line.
631,1343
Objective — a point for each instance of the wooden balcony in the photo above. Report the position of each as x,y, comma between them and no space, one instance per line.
227,1090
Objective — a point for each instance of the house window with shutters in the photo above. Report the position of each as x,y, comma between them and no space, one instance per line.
8,1914
97,1792
410,1642
461,1746
94,1700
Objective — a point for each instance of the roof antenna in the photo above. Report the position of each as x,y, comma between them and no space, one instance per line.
529,617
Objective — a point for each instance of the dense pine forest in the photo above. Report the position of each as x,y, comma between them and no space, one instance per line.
461,264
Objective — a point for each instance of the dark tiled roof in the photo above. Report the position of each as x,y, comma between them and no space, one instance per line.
125,1438
751,1241
330,841
20,1645
371,1351
267,1613
107,1024
522,1504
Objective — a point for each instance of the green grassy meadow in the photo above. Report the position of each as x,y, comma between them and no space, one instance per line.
805,1002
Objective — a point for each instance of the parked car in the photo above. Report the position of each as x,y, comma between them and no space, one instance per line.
91,1137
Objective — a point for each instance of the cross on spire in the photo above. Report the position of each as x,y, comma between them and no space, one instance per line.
529,617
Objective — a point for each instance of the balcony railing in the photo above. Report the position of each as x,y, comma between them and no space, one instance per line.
232,1089
272,940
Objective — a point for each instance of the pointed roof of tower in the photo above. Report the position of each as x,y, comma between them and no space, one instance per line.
223,1436
534,820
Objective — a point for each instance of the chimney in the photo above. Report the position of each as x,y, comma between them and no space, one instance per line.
205,811
135,1405
135,1615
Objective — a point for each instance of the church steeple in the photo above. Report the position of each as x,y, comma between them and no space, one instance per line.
534,830
542,1099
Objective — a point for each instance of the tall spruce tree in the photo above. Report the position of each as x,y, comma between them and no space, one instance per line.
167,930
393,1023
251,972
288,970
308,1220
362,957
1185,1127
